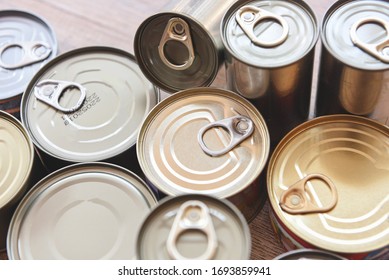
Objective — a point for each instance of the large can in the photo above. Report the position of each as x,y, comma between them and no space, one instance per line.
88,105
308,254
354,72
27,42
206,141
83,211
269,53
181,47
194,227
328,187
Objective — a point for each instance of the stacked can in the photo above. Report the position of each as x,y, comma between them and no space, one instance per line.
354,72
269,49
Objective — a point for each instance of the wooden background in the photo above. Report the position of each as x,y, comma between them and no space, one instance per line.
114,23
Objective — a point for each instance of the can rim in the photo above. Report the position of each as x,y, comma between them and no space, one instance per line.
309,251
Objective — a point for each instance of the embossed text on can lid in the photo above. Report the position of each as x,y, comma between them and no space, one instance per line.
351,152
194,227
101,125
84,211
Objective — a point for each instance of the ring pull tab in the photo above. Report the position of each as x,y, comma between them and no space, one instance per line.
249,16
50,91
378,50
239,128
192,215
177,30
32,52
298,200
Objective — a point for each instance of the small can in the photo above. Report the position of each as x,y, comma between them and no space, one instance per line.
327,185
206,141
83,211
194,227
88,105
27,42
354,71
181,47
269,54
308,254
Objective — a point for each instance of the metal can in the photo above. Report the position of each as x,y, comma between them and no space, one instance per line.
308,254
181,47
269,53
83,211
88,105
354,71
189,227
327,185
27,42
206,141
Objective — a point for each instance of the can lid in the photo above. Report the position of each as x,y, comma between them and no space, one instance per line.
308,254
351,28
84,211
27,42
175,52
194,227
352,154
87,104
269,33
203,140
16,159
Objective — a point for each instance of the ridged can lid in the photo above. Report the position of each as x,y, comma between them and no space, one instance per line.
308,254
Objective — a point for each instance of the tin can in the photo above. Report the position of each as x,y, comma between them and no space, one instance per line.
269,54
327,185
27,42
88,105
354,72
181,47
308,254
194,227
206,141
83,211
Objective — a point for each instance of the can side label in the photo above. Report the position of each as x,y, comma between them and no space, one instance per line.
89,103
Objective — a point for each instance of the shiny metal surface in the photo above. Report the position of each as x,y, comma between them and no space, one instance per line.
308,254
353,152
223,234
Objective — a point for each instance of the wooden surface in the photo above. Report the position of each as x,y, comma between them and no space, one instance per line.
114,23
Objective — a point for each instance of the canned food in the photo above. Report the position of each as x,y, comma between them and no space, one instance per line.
327,185
206,141
27,42
181,47
308,254
88,105
194,227
83,211
269,49
354,72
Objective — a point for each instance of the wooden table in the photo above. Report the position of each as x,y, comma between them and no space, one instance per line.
114,23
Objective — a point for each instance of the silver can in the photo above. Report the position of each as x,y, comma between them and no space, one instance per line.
194,227
354,72
27,42
181,47
269,50
83,211
308,254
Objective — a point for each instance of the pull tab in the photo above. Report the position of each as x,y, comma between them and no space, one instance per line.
297,199
239,128
379,50
177,30
249,16
50,91
32,52
192,215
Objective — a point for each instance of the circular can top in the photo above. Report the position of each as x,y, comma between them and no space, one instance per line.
87,104
175,52
327,184
16,159
83,211
194,227
269,34
27,42
308,254
186,144
351,28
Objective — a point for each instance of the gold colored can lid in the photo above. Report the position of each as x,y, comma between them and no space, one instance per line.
328,183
